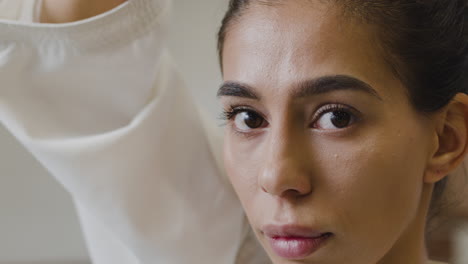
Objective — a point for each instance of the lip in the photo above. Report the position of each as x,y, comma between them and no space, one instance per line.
295,242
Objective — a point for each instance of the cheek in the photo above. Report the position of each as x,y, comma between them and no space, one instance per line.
241,168
376,181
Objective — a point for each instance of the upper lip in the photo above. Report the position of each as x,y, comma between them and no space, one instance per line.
291,231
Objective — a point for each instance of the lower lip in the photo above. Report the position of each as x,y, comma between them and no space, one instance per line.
297,247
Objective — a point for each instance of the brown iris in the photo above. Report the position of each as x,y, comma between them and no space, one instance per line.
340,119
252,120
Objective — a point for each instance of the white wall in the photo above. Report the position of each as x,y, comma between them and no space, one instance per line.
37,218
193,43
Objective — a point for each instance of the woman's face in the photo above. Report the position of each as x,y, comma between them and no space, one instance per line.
322,145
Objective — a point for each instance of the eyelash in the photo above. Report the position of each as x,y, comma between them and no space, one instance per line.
234,110
334,107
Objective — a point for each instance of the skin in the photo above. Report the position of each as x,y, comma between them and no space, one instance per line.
366,183
63,11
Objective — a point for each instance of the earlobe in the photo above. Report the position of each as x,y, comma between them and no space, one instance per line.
452,133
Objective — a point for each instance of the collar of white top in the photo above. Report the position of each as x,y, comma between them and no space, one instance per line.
128,21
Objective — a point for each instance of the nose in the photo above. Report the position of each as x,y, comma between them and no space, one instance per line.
285,171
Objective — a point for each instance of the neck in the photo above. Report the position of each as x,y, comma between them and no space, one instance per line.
411,246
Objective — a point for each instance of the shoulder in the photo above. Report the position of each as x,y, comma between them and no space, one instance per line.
24,10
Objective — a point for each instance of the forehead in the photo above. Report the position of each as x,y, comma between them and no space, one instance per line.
278,45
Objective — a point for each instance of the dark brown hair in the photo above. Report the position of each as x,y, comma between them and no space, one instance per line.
425,42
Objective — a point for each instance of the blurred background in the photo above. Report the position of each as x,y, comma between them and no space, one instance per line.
38,223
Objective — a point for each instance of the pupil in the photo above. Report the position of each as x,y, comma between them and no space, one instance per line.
341,119
252,120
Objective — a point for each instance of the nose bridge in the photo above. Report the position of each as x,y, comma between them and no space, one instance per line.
284,169
283,144
285,134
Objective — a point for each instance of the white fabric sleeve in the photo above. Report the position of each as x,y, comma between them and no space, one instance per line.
24,10
100,105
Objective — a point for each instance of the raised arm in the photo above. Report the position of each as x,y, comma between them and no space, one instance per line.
99,104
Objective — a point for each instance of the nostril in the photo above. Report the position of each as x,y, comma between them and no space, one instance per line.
285,177
294,193
287,192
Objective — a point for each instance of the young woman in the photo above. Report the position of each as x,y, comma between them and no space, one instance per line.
343,120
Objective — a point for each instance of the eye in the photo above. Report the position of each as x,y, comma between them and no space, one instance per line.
244,119
247,120
334,117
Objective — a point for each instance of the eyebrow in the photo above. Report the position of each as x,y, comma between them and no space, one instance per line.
320,85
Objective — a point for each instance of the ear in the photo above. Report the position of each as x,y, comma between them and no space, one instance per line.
451,139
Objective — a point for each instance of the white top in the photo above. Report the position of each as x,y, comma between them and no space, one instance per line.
99,104
24,10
